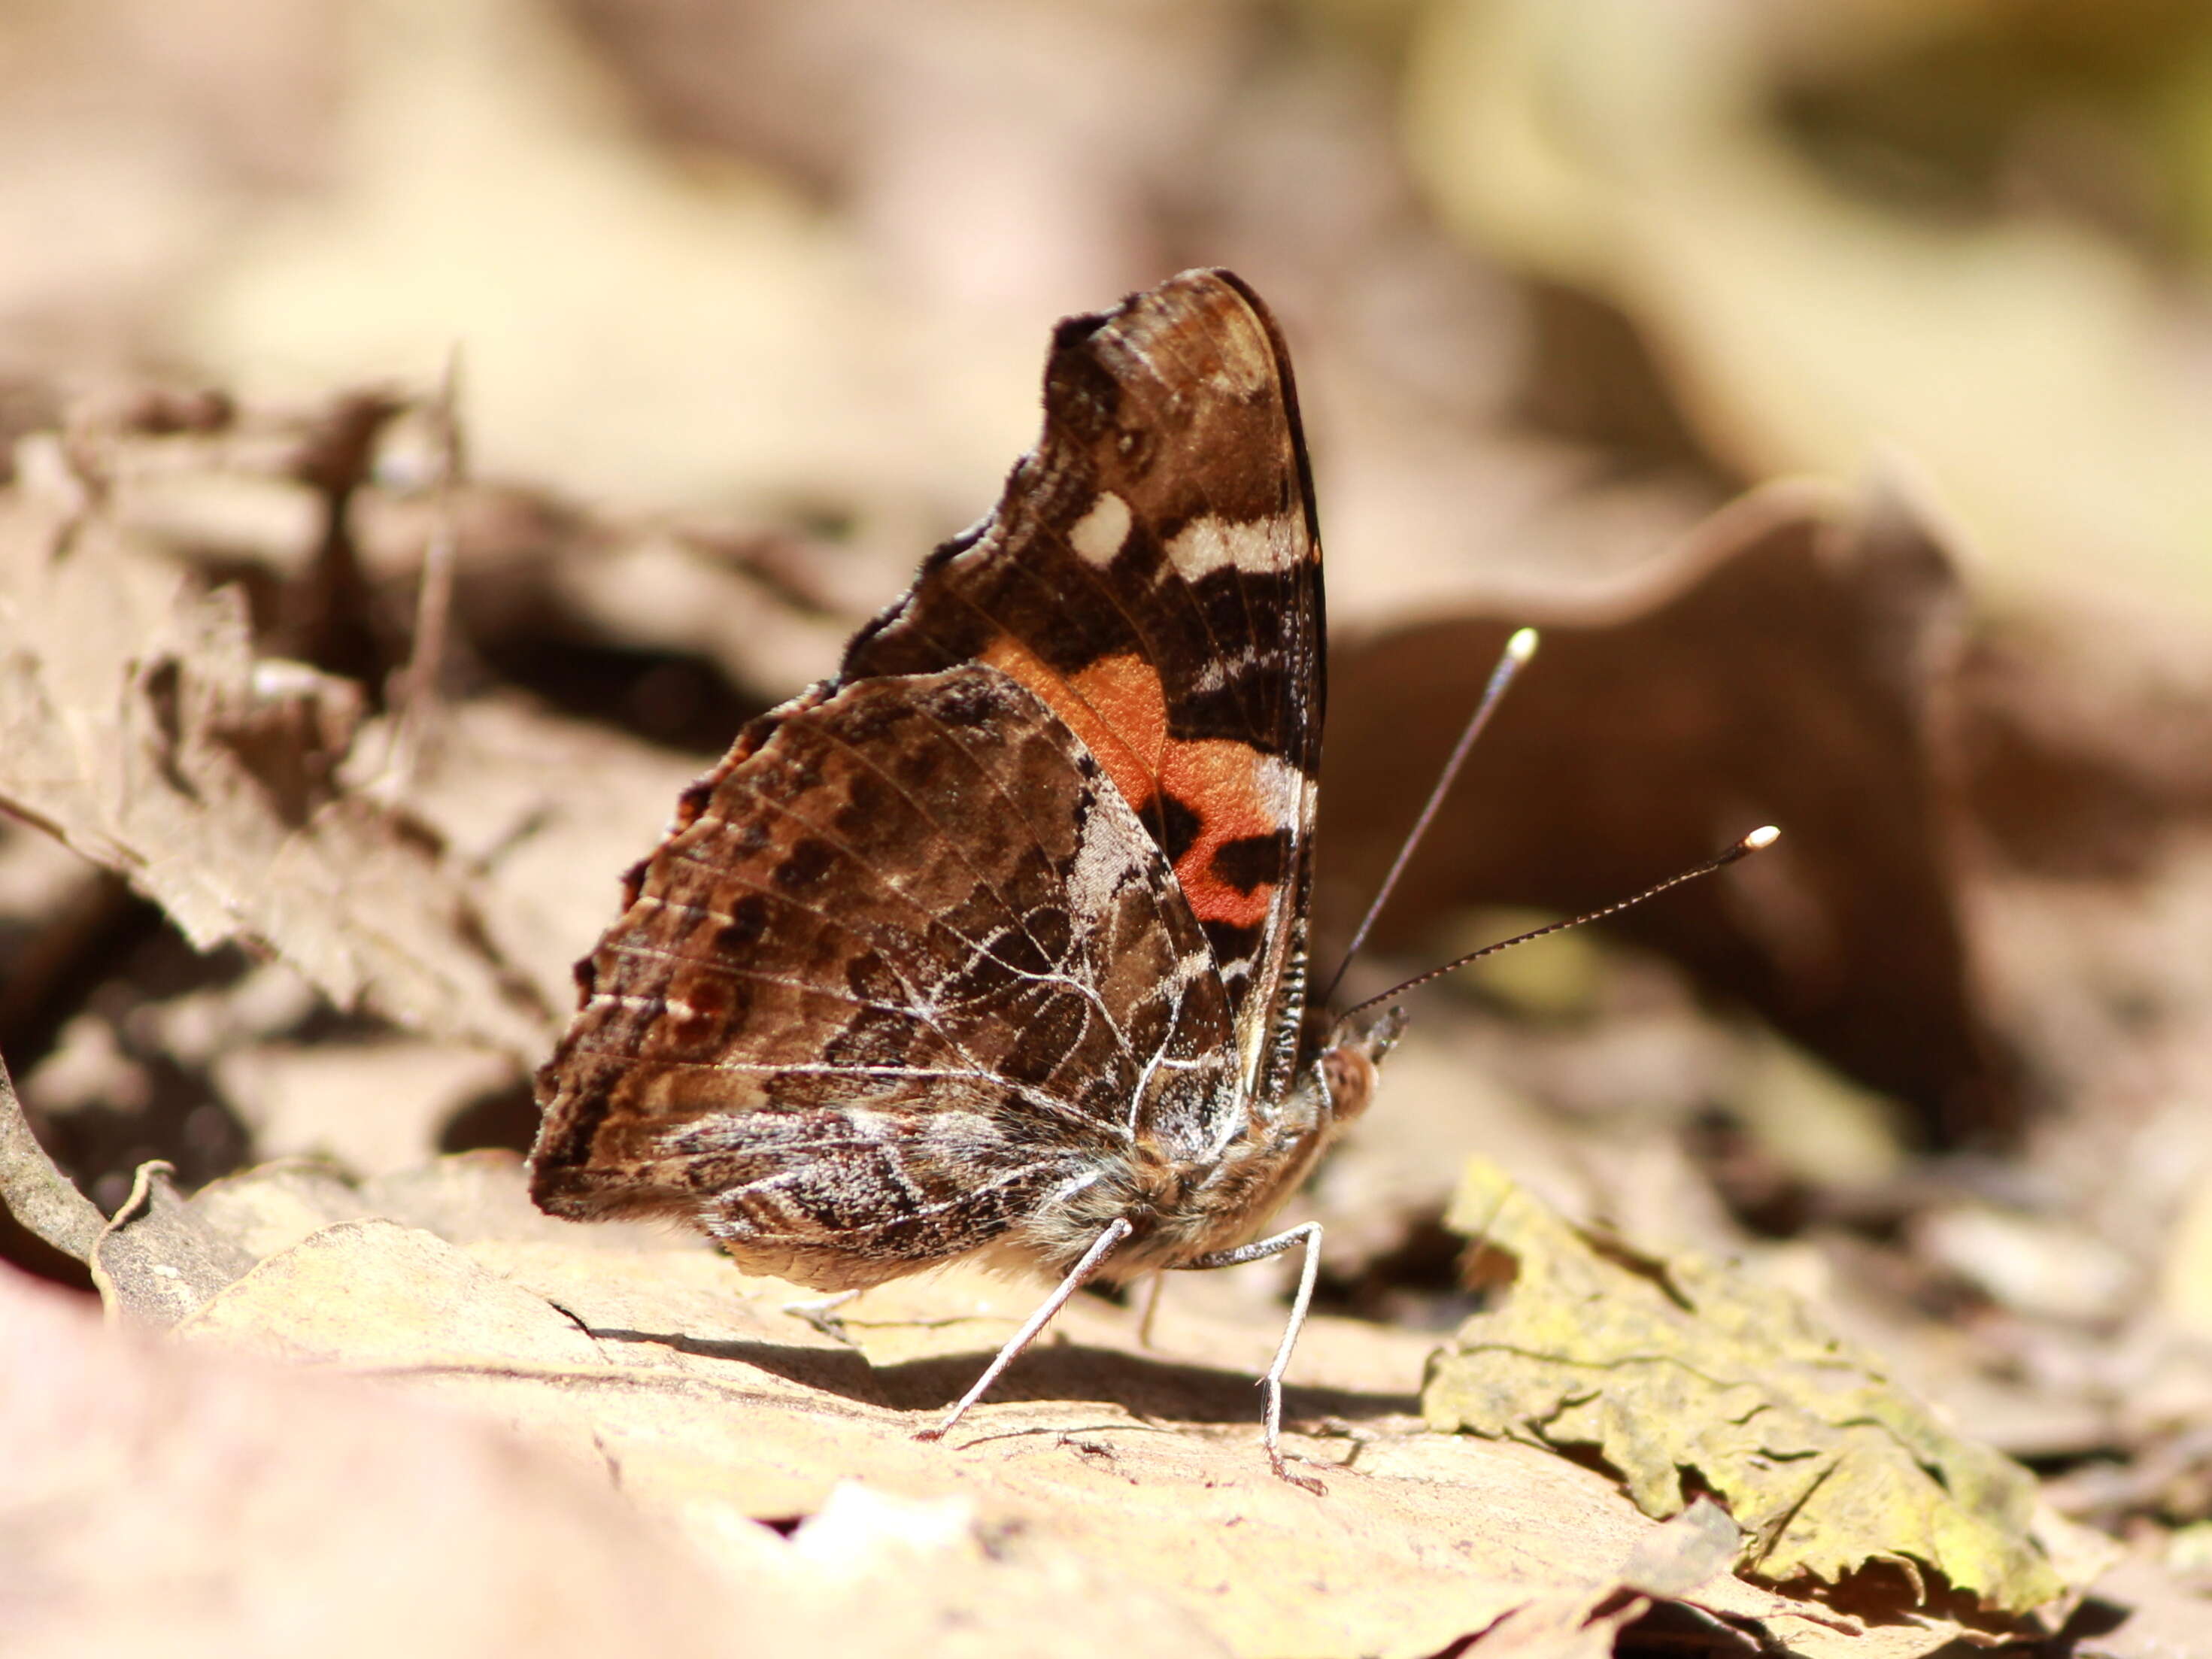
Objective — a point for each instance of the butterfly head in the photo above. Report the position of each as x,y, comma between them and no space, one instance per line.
1348,1059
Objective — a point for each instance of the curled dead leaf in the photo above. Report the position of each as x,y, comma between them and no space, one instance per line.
1789,666
1681,1376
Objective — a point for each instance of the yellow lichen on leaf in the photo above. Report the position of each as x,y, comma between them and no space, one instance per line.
1683,1372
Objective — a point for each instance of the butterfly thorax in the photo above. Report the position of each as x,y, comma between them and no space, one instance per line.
1189,1202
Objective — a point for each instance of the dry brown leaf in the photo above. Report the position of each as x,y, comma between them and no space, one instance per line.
1786,667
245,796
137,723
192,1504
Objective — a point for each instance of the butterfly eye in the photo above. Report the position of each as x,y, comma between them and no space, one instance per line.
1351,1078
1134,448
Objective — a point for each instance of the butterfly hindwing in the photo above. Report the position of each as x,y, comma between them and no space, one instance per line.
907,969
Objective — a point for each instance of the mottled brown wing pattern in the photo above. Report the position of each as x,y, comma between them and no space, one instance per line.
1012,909
1153,573
907,974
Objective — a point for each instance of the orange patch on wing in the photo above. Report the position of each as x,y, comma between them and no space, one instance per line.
1219,780
1118,708
1115,706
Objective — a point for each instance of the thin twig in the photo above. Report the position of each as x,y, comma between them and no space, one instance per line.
415,699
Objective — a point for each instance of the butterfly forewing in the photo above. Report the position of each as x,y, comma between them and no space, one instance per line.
1154,573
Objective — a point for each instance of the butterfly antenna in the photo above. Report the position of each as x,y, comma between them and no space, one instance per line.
1510,661
1758,840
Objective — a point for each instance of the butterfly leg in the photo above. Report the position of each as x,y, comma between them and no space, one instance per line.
1153,1286
1116,1231
1308,1234
822,1314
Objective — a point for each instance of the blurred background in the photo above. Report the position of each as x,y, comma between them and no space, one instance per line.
1833,379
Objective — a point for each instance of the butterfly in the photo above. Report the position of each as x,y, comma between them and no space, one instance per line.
993,945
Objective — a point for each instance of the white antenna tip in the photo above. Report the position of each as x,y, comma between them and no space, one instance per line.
1761,838
1523,645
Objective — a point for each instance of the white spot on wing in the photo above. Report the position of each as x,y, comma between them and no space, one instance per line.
1280,785
1097,536
1210,544
1102,865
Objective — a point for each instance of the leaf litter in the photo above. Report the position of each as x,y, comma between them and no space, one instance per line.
714,1409
445,911
2005,779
